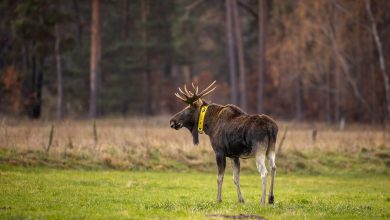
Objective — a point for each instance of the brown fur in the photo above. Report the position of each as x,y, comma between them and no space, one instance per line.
231,131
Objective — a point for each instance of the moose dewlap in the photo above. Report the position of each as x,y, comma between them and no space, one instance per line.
233,134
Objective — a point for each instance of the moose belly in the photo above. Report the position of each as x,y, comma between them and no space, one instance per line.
239,150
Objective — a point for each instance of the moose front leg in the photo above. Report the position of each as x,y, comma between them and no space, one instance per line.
236,177
221,163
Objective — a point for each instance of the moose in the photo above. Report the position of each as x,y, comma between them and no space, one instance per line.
233,134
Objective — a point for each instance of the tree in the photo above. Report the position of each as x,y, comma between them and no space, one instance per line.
145,8
30,28
125,32
60,98
95,59
231,52
382,63
241,58
262,21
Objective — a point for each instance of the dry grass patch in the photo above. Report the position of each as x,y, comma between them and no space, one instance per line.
149,143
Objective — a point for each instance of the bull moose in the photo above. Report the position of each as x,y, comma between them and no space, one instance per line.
233,134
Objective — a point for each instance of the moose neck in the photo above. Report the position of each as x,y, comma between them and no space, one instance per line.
211,118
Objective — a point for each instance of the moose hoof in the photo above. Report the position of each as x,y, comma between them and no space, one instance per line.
219,200
241,201
271,200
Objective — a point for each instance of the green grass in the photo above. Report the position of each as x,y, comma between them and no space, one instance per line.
37,192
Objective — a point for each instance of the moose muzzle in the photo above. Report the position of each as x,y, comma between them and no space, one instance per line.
175,125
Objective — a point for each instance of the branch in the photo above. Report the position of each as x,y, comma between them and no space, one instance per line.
249,9
191,6
344,66
382,64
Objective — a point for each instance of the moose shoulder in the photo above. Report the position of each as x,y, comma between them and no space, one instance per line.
233,134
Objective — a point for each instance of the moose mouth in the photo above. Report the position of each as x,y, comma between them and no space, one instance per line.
176,125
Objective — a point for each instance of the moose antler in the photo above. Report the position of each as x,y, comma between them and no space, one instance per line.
191,97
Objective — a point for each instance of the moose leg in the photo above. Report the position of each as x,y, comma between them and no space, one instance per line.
272,165
236,177
260,163
221,163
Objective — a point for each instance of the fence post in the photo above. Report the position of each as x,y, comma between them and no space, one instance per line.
282,140
51,134
95,136
314,135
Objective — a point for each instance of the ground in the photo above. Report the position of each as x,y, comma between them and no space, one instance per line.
39,192
139,168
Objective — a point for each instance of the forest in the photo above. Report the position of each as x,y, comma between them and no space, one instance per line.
292,59
87,94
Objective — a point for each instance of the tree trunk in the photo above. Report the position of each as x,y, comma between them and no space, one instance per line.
231,52
328,97
241,58
338,95
382,64
299,98
148,75
95,59
125,19
35,94
262,42
60,108
78,22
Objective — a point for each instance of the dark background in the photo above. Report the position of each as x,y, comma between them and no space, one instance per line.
322,59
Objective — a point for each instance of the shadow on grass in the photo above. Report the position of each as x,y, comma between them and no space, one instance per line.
240,216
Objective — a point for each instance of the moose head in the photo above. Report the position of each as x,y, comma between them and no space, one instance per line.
188,117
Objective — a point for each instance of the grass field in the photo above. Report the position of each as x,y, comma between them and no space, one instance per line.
72,194
142,169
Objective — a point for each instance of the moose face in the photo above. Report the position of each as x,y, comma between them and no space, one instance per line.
184,118
188,116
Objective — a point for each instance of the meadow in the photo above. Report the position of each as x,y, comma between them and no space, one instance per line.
140,168
42,193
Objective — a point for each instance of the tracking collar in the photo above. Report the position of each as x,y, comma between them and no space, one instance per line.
202,114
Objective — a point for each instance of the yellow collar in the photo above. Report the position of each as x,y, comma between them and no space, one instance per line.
201,118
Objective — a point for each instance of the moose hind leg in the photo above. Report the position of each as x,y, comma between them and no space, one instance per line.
236,177
260,163
271,158
221,163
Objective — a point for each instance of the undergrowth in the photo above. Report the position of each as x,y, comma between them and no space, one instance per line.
374,160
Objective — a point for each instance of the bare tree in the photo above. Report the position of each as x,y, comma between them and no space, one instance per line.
241,58
379,48
231,52
262,42
95,58
60,101
329,29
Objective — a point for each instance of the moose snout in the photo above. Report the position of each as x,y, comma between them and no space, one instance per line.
175,125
